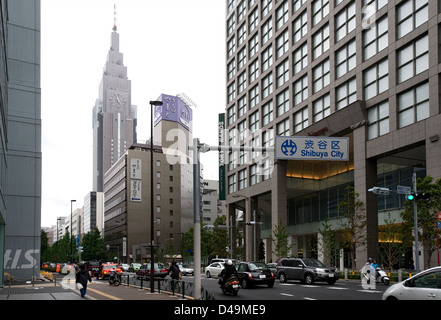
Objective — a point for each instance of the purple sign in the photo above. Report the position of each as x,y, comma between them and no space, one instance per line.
174,109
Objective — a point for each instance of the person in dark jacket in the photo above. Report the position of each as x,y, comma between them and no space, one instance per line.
174,270
82,277
227,272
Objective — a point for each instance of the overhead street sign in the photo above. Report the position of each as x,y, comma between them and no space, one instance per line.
312,148
403,190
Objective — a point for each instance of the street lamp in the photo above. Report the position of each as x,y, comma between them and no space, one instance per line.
152,240
71,202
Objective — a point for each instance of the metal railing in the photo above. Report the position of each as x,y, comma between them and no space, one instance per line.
179,288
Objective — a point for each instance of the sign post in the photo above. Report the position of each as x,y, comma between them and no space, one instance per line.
438,226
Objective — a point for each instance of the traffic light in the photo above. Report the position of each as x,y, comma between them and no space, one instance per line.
418,196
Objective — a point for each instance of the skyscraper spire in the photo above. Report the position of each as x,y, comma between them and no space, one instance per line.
115,28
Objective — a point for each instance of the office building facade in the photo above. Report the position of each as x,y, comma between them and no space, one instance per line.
127,189
114,117
20,139
366,70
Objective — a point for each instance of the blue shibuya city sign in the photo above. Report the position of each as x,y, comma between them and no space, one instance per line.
312,148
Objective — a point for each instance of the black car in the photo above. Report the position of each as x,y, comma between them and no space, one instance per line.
253,273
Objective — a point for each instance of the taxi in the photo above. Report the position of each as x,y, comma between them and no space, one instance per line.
107,269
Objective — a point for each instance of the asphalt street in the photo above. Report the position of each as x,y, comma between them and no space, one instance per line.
294,290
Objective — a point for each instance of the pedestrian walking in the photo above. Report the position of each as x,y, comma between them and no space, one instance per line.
81,280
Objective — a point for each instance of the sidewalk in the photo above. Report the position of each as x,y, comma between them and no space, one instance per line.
66,290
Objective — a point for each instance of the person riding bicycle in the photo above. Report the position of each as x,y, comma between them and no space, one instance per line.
174,270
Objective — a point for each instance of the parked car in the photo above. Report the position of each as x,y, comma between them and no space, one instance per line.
252,273
107,269
186,270
425,285
214,269
145,269
134,267
306,270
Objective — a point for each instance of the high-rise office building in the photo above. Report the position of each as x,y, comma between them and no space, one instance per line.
366,70
20,139
114,117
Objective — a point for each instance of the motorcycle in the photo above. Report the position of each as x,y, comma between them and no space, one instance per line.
379,276
230,286
114,279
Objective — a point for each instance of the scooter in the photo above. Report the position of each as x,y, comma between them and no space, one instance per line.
231,285
114,279
379,276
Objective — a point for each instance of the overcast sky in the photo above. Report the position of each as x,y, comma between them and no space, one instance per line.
169,46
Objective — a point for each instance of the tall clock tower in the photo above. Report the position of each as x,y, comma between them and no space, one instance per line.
114,116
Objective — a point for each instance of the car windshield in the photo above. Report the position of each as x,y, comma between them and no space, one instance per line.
313,263
112,266
258,266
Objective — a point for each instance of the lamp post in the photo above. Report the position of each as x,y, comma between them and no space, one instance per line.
152,239
71,202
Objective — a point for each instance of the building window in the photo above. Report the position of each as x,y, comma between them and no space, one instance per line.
296,4
242,106
378,4
242,82
413,59
321,76
300,119
231,115
268,113
376,79
413,105
242,57
282,44
378,117
320,9
241,9
243,179
266,6
231,92
253,45
231,24
232,184
253,20
345,21
254,121
346,94
283,128
322,107
301,90
268,138
282,73
300,27
267,85
282,15
242,127
410,15
282,102
300,58
320,41
346,59
254,70
254,174
254,96
375,38
231,69
267,58
267,31
231,45
241,35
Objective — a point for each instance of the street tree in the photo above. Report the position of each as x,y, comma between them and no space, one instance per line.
280,241
427,217
352,213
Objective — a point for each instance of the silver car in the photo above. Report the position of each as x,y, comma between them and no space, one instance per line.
306,270
425,285
214,269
